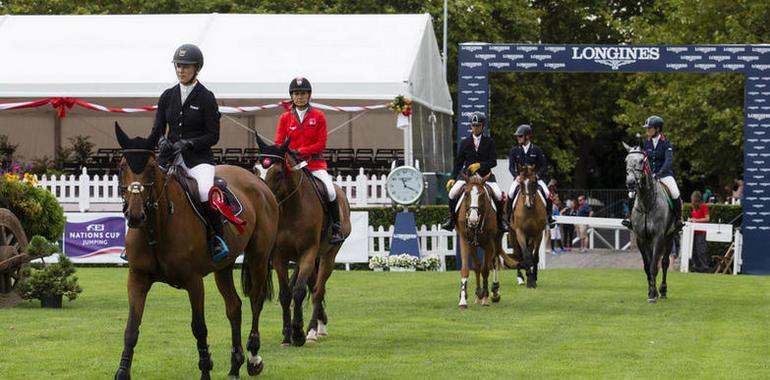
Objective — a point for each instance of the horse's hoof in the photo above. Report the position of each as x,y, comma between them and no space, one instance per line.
285,344
495,298
519,280
255,369
652,300
477,301
663,297
312,336
122,374
205,375
322,331
463,307
233,375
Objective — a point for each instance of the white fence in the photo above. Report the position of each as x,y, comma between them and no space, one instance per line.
100,193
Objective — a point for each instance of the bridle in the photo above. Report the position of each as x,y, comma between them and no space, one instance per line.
138,189
639,173
283,160
475,207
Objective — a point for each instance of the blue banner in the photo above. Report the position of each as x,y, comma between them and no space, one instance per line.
404,239
477,60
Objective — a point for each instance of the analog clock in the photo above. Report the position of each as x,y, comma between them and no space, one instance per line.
405,185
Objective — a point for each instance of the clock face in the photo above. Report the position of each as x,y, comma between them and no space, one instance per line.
405,185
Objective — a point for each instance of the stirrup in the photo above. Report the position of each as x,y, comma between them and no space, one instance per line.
448,224
223,253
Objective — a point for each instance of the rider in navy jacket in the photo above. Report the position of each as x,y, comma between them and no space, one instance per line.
660,156
526,153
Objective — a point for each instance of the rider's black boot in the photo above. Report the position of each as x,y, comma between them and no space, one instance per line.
449,223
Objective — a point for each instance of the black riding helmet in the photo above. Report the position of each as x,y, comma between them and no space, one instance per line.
300,84
477,118
188,54
523,130
654,122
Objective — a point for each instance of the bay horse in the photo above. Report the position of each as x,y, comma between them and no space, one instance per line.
528,220
303,237
652,219
166,242
477,227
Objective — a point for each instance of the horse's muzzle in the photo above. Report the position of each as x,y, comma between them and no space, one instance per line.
136,221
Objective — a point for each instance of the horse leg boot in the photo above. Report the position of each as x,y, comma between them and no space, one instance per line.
549,210
217,246
334,210
449,223
627,221
678,215
502,224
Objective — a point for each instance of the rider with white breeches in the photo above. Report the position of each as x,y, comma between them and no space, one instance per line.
305,127
660,157
526,153
476,155
190,113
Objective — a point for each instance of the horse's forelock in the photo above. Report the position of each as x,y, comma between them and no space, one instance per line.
137,161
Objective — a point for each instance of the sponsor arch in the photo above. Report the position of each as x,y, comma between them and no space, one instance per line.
478,60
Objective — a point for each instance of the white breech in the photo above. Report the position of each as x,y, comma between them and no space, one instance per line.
203,174
540,183
670,184
455,190
327,180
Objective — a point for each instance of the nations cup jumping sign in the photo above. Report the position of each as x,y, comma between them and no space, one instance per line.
99,238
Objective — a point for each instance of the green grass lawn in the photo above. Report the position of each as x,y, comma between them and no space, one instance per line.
583,323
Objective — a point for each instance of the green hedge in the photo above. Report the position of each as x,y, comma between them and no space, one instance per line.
386,216
37,209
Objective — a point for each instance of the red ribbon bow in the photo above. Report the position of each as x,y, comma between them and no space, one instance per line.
62,105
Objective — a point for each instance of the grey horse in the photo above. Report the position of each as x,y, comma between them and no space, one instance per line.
652,219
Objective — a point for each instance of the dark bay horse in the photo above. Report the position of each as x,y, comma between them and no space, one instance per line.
528,220
303,239
477,227
166,242
652,219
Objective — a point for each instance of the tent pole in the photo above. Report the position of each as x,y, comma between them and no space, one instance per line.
56,136
443,51
253,126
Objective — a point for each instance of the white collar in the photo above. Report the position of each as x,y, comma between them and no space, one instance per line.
655,141
526,147
476,140
187,88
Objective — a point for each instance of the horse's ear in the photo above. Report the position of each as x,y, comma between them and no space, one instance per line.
122,137
260,142
486,177
628,147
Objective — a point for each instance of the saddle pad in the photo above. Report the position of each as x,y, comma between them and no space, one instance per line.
539,193
669,199
190,187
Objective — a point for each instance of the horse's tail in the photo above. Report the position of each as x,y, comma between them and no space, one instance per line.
246,279
511,263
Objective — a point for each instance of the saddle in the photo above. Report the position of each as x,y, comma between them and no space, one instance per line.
230,200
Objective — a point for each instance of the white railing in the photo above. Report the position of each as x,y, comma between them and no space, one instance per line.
100,193
433,241
724,233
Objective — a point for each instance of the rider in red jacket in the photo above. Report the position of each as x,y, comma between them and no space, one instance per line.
305,126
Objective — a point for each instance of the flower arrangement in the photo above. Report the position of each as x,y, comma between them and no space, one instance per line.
37,209
401,104
378,262
430,263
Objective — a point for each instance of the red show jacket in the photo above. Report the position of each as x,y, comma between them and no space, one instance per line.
308,137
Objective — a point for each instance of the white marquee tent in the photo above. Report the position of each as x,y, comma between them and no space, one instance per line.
124,61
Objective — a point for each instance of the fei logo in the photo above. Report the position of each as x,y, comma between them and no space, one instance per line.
95,227
615,56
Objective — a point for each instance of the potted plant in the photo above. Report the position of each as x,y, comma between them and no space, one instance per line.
403,263
49,282
378,263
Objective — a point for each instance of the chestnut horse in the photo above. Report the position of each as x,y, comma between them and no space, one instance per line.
166,242
477,227
528,220
302,239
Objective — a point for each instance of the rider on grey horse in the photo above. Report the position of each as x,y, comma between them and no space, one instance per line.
526,153
660,156
477,155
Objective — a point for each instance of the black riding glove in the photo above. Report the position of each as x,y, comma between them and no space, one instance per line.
182,145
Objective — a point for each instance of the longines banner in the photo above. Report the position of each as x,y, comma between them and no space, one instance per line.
477,60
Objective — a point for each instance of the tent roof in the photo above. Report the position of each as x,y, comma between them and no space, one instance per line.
247,56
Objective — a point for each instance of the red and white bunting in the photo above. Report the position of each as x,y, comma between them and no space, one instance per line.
62,104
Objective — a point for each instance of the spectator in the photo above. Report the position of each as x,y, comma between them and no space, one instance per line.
737,191
584,209
556,230
569,228
700,214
